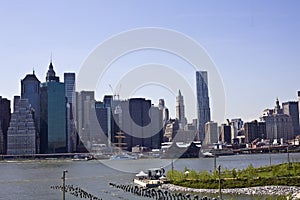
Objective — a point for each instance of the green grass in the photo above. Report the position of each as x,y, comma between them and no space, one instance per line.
282,174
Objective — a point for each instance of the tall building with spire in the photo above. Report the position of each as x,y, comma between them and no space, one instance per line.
51,76
180,111
53,137
278,125
203,108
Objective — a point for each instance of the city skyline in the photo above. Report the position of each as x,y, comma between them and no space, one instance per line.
136,118
255,39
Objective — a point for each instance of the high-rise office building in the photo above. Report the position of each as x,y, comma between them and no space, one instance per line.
103,112
85,102
5,114
299,109
139,122
21,135
291,109
236,126
1,139
165,113
180,111
94,120
225,133
155,137
278,124
202,102
30,89
69,80
53,124
211,133
170,130
254,130
93,128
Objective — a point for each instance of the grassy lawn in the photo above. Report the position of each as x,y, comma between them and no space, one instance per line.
282,174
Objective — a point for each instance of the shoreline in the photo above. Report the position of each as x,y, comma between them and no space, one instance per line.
262,190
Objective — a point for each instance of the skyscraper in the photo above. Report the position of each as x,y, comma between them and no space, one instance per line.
202,102
53,114
1,139
236,126
254,130
291,109
299,108
50,76
211,133
139,121
70,86
225,133
30,89
278,124
4,123
165,113
85,100
180,111
69,80
21,136
103,112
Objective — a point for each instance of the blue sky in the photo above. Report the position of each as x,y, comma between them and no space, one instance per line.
254,44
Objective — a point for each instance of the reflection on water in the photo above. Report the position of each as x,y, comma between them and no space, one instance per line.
32,179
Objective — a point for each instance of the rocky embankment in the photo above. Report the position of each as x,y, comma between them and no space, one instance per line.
264,190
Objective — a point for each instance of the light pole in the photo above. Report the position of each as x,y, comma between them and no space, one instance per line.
172,167
215,162
288,156
270,155
220,188
64,184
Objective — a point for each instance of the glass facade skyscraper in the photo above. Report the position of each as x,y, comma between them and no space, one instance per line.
203,108
69,80
53,114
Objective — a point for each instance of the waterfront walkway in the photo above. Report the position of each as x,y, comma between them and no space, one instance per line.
264,190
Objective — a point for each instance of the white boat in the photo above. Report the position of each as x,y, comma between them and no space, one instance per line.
82,157
208,154
154,178
122,157
145,183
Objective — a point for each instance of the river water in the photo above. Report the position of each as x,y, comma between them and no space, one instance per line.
31,179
